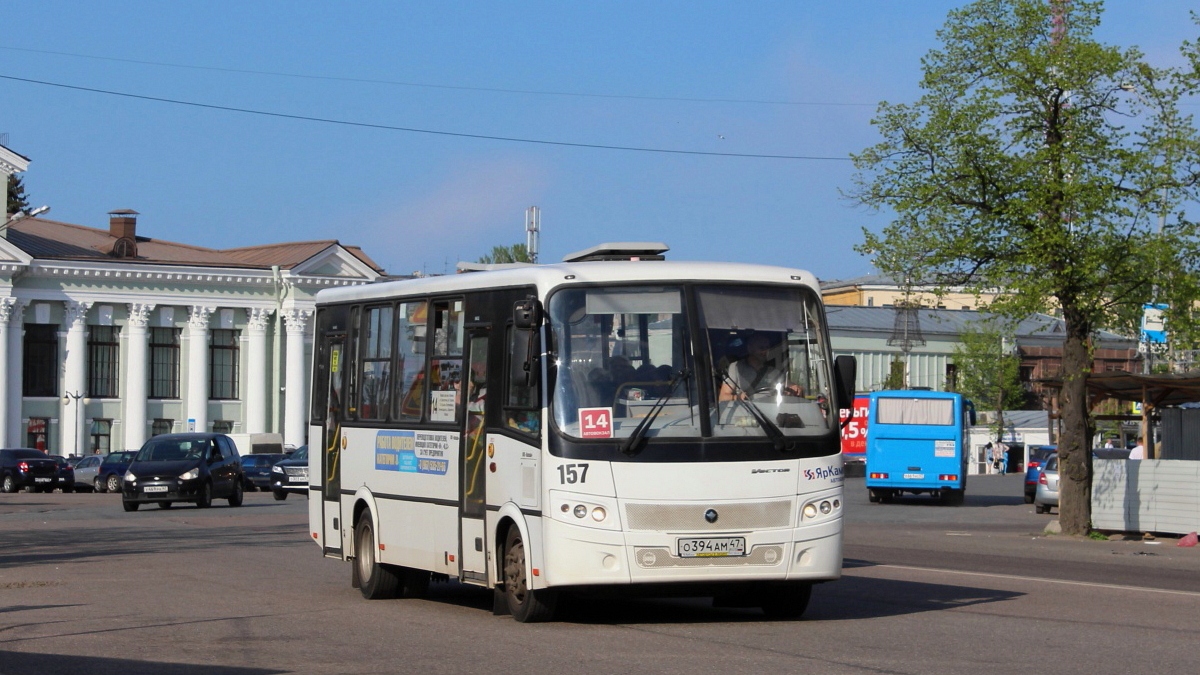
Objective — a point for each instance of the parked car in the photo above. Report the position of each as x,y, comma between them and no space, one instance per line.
291,474
108,475
86,471
26,468
1047,489
66,474
257,469
1033,468
184,468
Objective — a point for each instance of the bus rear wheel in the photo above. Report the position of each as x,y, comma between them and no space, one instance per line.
953,497
786,602
525,604
376,580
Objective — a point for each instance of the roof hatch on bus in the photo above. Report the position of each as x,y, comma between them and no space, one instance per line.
621,250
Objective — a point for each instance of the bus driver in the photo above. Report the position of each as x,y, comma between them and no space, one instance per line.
756,372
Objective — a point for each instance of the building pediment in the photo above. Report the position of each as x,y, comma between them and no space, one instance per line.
12,256
335,261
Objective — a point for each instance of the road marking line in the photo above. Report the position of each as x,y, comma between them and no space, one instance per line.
1014,577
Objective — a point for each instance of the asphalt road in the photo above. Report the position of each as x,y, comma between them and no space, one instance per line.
87,588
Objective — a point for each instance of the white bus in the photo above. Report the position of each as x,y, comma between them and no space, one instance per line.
554,431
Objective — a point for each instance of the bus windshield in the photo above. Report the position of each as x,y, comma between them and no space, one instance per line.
627,353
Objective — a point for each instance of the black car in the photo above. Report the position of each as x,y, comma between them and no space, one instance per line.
291,475
108,476
66,474
257,468
184,468
28,468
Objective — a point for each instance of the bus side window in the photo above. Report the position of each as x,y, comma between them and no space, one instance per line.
376,371
411,322
445,365
522,399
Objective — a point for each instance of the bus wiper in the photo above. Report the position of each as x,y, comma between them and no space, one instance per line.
629,447
778,440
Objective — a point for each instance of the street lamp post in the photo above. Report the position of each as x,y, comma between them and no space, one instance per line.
76,396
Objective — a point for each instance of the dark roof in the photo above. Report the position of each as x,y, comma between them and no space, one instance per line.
43,238
1158,390
951,323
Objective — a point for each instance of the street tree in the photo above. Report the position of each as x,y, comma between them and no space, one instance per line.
517,253
1041,162
16,194
989,372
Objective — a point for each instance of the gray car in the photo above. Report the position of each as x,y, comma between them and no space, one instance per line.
85,473
1047,488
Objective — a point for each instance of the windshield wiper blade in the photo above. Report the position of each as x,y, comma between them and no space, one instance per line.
629,447
778,440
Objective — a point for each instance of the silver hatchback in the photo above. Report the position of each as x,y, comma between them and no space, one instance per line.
1047,488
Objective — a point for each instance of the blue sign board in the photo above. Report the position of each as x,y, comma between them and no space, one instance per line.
1154,324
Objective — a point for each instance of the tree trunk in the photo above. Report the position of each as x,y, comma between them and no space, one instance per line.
1074,446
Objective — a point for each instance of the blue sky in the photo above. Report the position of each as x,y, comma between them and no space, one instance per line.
797,78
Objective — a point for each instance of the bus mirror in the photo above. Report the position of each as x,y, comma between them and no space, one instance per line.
845,371
971,412
527,313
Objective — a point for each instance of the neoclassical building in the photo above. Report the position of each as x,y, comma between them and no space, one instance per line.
110,337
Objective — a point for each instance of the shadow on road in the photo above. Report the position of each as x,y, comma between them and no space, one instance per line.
27,663
848,599
969,501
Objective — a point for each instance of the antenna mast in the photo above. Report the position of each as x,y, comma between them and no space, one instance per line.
533,229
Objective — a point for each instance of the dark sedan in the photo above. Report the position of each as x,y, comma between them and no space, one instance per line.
66,474
184,468
257,469
26,468
291,475
108,475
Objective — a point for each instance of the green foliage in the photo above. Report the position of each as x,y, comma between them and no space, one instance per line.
16,194
1052,167
989,373
516,253
895,378
1039,165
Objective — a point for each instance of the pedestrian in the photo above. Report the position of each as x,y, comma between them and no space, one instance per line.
1138,451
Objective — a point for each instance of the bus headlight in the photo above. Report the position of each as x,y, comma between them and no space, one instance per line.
584,510
820,508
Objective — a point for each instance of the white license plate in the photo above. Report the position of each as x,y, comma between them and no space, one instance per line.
41,480
155,488
298,479
712,547
914,476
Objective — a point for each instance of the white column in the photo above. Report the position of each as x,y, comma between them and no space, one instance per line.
257,370
197,388
13,384
6,305
136,377
295,390
74,379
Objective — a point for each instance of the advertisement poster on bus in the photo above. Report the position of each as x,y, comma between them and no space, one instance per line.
854,433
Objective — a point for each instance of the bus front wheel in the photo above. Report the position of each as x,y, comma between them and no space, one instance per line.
786,602
525,604
376,580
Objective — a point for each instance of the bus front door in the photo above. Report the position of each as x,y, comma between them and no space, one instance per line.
473,531
331,451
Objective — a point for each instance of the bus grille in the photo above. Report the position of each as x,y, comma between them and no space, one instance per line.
657,558
690,517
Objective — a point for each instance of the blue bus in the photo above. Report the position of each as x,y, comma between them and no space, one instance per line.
919,444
